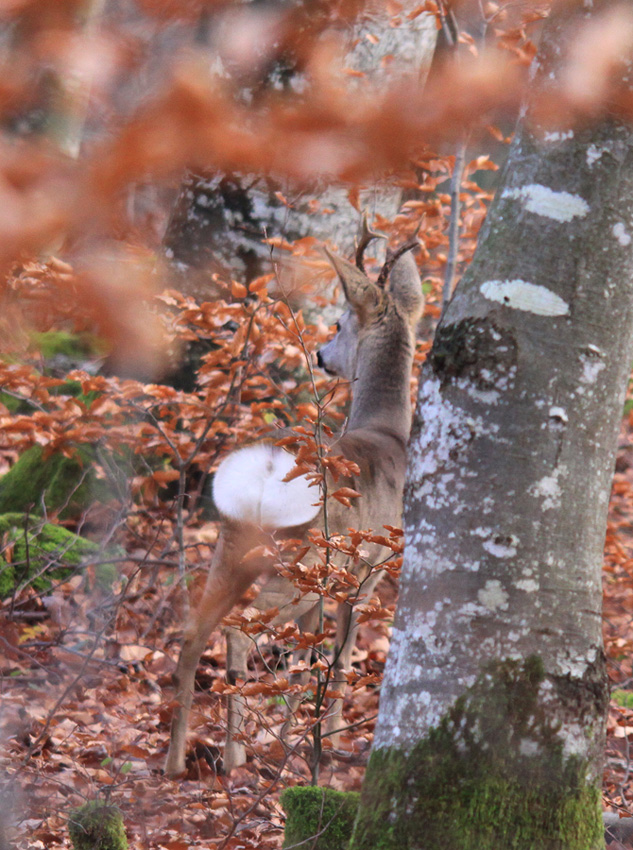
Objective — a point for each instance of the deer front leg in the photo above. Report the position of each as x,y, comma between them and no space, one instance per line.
226,583
346,631
279,593
238,646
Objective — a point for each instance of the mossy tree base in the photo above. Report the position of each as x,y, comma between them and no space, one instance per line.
494,775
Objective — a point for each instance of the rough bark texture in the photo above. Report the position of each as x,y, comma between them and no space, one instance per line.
492,709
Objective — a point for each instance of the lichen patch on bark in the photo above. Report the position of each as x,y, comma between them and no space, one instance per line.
621,234
541,200
522,295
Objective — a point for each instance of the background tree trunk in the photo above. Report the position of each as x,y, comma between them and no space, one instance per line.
492,709
219,220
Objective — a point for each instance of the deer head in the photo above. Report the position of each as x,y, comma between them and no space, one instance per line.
374,309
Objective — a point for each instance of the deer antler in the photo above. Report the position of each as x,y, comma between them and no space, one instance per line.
367,235
394,256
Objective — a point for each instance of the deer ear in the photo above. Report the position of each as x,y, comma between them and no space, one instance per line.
362,295
405,287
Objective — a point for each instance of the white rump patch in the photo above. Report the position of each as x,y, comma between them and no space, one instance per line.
249,487
541,200
521,295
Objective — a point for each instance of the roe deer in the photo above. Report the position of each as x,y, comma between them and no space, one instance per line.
373,349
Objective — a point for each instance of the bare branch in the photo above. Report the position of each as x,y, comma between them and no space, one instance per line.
453,227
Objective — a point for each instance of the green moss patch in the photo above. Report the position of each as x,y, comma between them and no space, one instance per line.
322,814
97,826
42,554
623,698
13,404
492,775
67,485
65,344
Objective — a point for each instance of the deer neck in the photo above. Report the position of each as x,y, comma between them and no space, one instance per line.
381,390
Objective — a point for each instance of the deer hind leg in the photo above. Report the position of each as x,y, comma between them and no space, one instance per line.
280,593
226,582
346,634
238,646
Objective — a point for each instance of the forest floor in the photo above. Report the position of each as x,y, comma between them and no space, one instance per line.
618,631
85,708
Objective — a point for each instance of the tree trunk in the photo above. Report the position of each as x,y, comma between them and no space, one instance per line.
220,220
491,725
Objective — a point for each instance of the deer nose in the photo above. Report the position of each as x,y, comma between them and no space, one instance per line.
320,360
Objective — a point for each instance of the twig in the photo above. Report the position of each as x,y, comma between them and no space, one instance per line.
263,794
450,30
453,226
67,690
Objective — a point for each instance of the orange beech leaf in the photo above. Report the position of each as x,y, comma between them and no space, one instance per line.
278,242
353,196
296,472
317,538
307,411
374,613
307,454
394,565
287,633
282,199
252,689
165,476
340,466
238,290
260,283
220,686
363,681
270,614
267,688
330,693
307,639
482,163
345,493
429,6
